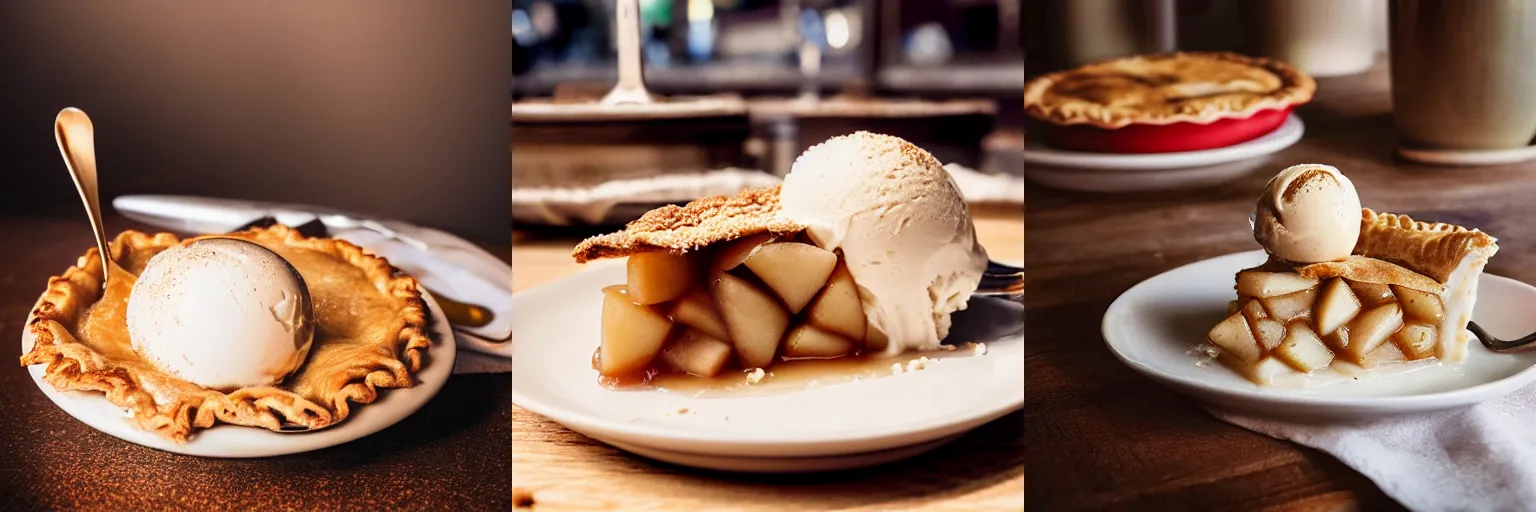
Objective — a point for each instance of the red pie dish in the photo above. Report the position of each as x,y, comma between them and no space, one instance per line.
1166,103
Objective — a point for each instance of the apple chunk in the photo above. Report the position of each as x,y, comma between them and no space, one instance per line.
657,277
1269,333
808,341
1303,349
632,334
1234,337
793,270
695,352
733,253
1254,283
1336,306
1372,328
1416,340
754,319
1289,306
695,309
1421,305
838,308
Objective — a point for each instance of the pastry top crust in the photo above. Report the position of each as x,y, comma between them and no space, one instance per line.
360,344
698,224
1197,87
1363,269
1431,248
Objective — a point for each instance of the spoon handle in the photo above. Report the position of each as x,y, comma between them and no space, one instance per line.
76,137
631,86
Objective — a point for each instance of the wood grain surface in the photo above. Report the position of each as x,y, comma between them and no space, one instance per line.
1101,436
556,469
450,455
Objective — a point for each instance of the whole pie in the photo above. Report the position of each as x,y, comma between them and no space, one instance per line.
723,283
1169,102
369,334
1405,294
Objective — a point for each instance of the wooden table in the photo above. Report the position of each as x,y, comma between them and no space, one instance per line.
450,455
556,469
1103,436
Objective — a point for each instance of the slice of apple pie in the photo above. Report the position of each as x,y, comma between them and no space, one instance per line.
722,283
1404,293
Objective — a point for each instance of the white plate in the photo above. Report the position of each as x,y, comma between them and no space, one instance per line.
235,441
1156,326
831,426
1116,172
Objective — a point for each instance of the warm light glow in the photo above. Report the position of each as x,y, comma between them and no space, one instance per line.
837,30
701,10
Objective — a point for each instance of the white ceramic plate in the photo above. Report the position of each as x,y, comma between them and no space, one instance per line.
234,441
832,426
1156,326
1113,172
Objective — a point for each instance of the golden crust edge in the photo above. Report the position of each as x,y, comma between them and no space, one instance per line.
632,239
1298,89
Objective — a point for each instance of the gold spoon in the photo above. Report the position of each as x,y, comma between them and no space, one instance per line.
77,142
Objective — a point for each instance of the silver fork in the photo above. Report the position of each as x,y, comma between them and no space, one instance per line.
1001,280
1502,346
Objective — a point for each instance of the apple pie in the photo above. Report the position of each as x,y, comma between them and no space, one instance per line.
369,322
722,284
1404,295
1162,103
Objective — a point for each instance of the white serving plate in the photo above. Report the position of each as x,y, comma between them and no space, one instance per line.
825,427
1155,327
232,441
1116,172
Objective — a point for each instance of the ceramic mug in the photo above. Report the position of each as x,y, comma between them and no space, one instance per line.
1464,73
1321,37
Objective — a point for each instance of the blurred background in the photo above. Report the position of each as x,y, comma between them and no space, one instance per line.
394,112
1060,34
747,85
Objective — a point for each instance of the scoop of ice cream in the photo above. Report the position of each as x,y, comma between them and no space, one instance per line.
902,226
1308,213
222,313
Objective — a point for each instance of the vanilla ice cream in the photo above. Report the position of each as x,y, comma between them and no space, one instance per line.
1308,213
222,313
903,228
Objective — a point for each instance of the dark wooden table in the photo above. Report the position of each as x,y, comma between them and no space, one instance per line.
1102,436
454,454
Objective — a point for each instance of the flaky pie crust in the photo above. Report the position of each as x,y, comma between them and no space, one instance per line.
1395,249
1195,87
75,366
698,224
1434,249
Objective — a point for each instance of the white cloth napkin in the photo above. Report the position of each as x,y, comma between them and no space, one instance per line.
474,277
1478,458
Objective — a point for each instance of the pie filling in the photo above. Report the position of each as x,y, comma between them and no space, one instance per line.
1341,319
737,306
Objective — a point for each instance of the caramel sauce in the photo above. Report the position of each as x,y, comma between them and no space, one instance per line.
783,377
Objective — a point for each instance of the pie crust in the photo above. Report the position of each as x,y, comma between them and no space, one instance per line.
679,229
1400,269
1193,87
370,333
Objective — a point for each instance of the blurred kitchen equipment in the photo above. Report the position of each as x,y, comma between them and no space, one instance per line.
1322,37
1463,74
571,141
1083,31
952,130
